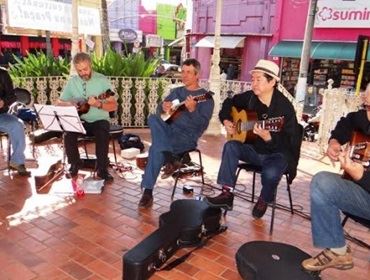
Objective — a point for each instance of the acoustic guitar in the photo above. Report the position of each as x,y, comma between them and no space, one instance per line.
180,107
359,146
244,122
83,107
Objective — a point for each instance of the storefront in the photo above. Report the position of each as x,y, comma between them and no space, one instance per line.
337,27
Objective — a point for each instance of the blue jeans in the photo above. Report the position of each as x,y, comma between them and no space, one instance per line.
273,167
14,127
164,139
330,194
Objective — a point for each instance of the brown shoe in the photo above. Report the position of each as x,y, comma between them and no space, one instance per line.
327,259
170,168
20,168
146,200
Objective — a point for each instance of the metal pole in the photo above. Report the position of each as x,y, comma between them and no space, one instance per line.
305,56
214,127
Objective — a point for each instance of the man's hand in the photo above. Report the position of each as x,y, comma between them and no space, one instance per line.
229,126
1,104
354,169
166,106
334,149
261,132
190,104
93,101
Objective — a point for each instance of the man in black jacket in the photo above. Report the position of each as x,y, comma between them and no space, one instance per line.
270,150
12,125
332,193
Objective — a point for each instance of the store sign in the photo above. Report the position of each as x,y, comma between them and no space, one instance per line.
343,14
52,16
153,41
127,35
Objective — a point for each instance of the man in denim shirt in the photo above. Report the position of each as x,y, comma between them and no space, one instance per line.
173,138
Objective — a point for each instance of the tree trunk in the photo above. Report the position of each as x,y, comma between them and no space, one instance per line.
105,26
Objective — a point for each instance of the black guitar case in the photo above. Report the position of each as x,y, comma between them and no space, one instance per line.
188,223
265,260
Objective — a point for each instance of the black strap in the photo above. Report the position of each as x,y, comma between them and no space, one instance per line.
183,258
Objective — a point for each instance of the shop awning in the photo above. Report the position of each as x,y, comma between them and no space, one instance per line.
226,42
319,50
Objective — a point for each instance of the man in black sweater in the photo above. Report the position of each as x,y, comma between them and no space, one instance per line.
270,150
332,193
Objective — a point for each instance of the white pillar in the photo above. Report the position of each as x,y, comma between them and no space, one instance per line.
214,127
74,39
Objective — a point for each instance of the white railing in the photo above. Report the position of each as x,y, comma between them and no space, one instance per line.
137,97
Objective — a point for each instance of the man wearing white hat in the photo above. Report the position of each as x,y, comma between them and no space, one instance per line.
270,150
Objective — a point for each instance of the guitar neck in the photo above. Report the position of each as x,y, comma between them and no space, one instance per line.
265,124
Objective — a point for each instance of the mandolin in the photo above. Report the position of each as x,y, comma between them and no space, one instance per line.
244,122
83,107
178,108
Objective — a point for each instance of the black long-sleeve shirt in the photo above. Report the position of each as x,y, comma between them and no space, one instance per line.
280,106
6,90
354,121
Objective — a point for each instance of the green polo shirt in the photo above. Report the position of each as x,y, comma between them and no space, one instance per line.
77,89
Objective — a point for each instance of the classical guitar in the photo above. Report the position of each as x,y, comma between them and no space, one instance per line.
244,122
178,108
359,150
83,107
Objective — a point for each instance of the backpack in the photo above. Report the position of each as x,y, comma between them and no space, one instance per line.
127,141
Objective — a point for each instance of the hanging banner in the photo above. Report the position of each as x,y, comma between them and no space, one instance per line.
51,16
343,14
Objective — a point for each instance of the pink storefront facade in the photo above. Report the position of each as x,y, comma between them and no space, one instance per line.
274,29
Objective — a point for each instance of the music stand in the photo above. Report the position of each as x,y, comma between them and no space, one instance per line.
60,118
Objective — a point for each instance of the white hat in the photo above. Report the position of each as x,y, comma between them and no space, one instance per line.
268,67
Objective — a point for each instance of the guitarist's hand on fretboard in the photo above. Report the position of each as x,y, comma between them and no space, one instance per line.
261,132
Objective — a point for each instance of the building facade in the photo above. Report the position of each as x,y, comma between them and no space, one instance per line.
247,28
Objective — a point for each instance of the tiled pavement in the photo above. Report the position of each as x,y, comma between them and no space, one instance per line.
52,235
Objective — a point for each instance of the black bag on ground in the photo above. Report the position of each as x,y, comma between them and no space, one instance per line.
186,224
127,141
265,260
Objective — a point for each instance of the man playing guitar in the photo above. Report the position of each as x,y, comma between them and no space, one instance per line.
332,193
88,85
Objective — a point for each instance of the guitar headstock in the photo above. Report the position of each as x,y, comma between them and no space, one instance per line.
274,124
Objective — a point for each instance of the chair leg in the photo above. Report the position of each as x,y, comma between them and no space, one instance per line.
174,187
201,166
344,220
273,212
114,150
253,185
290,195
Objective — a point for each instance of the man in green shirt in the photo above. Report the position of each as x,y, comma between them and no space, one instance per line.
83,91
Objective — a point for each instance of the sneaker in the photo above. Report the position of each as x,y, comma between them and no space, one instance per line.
105,175
259,209
20,168
146,200
223,200
170,168
327,259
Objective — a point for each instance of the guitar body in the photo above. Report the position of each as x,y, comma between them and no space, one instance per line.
359,150
83,107
244,122
180,107
240,117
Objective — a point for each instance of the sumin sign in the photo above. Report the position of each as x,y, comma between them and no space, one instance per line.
52,16
343,14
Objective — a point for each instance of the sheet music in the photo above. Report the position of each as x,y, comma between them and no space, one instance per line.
59,118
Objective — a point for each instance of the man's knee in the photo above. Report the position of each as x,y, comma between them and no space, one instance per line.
321,185
231,147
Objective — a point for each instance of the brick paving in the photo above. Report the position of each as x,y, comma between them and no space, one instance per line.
52,235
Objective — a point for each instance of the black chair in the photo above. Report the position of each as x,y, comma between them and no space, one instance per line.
289,175
362,221
189,168
115,130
